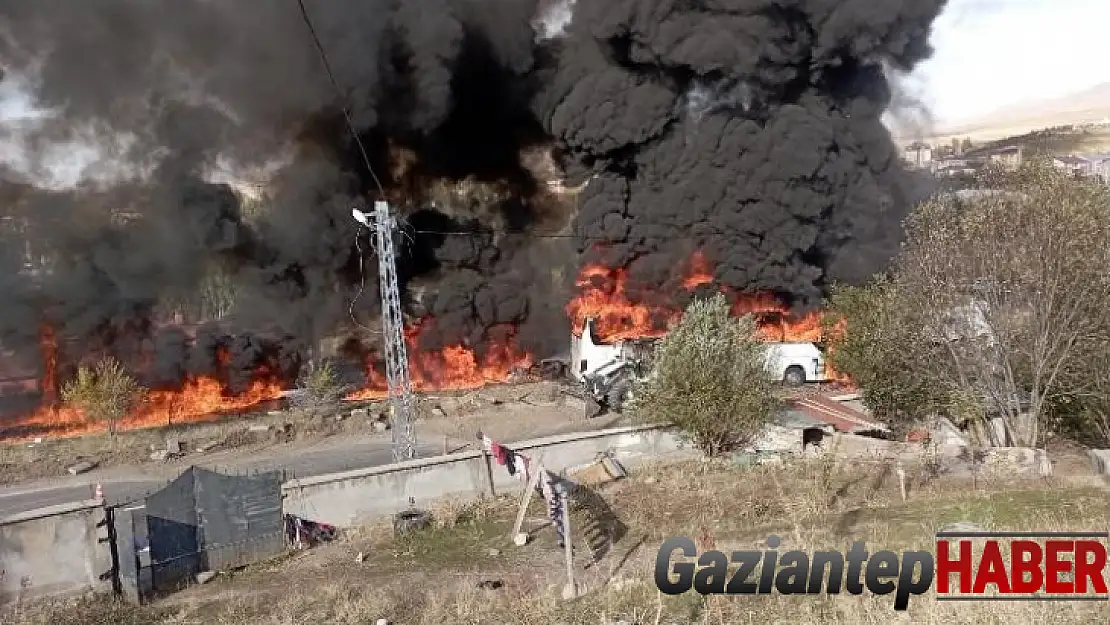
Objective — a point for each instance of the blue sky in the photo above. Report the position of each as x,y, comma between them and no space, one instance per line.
994,53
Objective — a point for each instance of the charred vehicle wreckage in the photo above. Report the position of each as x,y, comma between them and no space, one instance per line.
608,372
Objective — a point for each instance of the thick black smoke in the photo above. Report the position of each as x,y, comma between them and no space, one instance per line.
194,81
747,128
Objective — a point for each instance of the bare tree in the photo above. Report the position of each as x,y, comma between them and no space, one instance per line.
1014,287
105,393
217,294
320,389
1082,408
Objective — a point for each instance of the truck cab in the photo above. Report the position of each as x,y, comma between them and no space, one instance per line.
588,355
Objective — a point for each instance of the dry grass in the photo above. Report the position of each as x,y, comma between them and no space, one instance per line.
433,577
454,511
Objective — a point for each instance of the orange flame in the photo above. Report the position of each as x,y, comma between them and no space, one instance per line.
206,398
602,296
200,398
455,367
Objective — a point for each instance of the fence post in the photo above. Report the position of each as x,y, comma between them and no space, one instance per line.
489,473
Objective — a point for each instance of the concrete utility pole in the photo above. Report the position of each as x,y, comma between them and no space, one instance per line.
396,356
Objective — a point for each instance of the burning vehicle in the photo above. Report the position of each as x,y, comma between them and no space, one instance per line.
535,153
609,371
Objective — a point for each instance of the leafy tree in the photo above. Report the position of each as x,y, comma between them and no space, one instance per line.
875,339
709,379
105,393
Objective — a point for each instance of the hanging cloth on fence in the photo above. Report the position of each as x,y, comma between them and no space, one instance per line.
555,511
514,463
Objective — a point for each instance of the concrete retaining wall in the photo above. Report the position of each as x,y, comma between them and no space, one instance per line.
54,551
65,549
353,497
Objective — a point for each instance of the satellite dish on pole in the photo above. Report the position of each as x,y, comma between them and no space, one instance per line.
360,217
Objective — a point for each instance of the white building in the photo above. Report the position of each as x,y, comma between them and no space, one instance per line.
918,155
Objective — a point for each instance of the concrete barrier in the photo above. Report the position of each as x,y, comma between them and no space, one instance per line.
58,550
354,497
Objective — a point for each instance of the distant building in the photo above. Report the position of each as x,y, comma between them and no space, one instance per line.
1100,167
918,155
1074,165
951,167
1009,157
1094,165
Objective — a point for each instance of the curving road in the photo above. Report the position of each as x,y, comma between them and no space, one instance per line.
127,483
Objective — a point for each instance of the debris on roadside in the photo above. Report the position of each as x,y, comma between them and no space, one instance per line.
206,446
305,534
411,521
603,470
83,466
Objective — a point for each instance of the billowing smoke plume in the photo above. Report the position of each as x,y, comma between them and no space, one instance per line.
747,128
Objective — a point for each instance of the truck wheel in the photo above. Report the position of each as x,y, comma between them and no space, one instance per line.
794,376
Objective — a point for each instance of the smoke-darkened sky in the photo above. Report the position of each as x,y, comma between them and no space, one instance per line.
749,129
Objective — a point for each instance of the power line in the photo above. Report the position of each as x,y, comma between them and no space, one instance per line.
550,235
397,374
339,94
358,141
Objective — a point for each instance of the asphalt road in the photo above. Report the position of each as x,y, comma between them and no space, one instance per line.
124,484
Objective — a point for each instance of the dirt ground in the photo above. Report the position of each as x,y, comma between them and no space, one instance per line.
466,570
507,411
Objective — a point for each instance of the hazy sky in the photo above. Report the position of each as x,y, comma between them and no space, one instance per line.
993,53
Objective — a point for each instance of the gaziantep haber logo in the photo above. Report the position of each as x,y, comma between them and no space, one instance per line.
1041,566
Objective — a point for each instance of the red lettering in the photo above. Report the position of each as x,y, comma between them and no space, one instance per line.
1026,557
992,570
960,566
1054,566
1091,569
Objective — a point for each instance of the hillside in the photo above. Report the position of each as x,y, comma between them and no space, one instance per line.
1050,141
1091,106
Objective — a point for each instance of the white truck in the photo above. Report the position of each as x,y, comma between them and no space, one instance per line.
608,369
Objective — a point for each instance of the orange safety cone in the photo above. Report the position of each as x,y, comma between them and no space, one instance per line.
99,492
